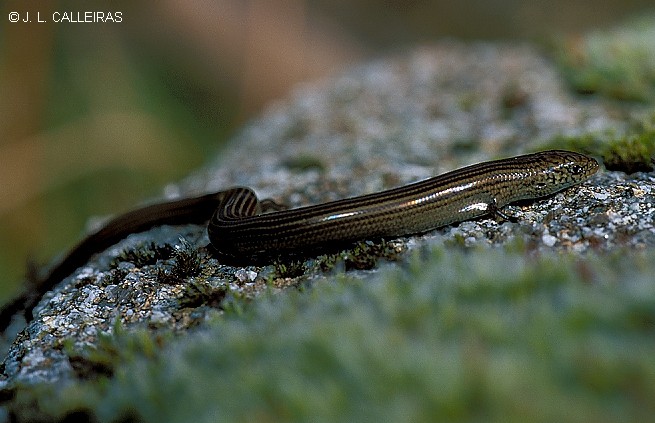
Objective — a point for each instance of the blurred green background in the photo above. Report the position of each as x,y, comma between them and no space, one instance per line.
97,117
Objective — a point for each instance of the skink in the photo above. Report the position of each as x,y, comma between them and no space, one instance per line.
239,230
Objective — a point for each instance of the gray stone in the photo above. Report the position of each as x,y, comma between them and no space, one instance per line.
379,125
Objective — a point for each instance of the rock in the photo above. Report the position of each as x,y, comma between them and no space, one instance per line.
379,125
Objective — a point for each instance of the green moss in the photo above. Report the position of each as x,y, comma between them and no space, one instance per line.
144,254
619,63
199,294
591,143
455,335
98,361
289,268
633,152
363,255
176,262
187,260
629,153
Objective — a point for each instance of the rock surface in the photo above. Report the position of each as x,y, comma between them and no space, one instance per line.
379,125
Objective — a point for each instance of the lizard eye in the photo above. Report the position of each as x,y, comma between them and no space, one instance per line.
575,169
